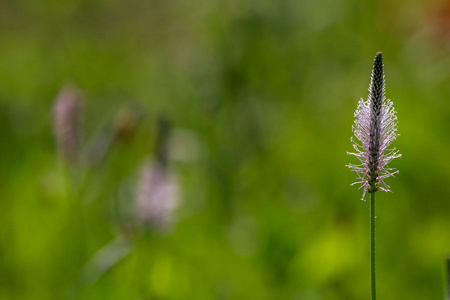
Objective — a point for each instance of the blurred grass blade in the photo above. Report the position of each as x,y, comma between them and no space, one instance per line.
101,262
447,267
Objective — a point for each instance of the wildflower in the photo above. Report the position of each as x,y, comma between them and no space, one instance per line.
375,129
157,196
67,123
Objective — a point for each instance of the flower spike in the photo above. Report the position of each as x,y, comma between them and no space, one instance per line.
375,129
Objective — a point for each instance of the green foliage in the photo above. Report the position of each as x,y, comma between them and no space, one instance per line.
261,96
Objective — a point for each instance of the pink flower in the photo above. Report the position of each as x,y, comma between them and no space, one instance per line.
67,123
157,197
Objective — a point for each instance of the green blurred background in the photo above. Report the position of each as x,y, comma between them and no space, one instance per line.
260,96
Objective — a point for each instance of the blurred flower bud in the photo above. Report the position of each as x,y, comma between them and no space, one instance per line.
67,127
126,123
120,129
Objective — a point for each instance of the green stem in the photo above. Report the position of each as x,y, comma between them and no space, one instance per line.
372,246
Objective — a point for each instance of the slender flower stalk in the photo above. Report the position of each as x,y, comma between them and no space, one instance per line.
375,129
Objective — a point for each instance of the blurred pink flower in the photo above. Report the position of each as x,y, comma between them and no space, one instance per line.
157,197
67,123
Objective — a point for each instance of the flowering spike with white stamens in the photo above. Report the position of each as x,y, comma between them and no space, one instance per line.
375,129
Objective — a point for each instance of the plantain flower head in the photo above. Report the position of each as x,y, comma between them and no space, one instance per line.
157,197
67,113
375,129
